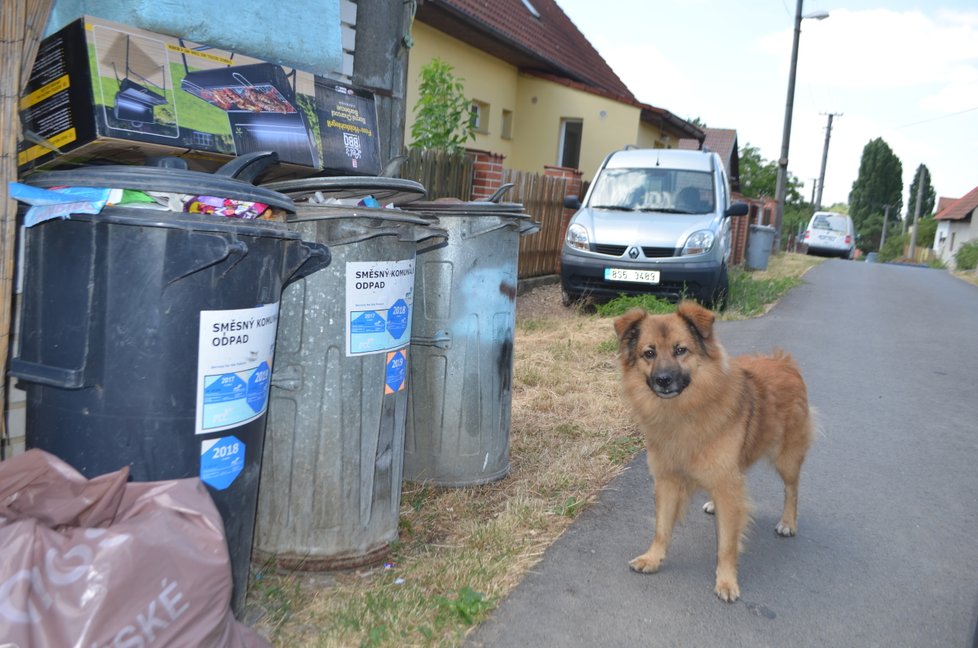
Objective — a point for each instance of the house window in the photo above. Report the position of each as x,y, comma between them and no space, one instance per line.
569,154
480,117
506,132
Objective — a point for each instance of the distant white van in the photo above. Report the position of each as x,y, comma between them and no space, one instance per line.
830,234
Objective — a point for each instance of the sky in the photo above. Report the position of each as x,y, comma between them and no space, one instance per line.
905,71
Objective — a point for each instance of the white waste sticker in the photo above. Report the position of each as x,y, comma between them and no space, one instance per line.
234,366
379,304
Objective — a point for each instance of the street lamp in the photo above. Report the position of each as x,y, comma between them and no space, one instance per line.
786,135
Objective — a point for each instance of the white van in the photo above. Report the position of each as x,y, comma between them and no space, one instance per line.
830,234
654,221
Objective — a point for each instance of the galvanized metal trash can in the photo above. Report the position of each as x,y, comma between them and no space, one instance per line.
759,244
148,336
331,474
460,395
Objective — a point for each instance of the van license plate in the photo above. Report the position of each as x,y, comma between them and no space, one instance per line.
636,276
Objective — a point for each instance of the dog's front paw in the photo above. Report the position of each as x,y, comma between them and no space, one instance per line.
727,591
709,508
785,530
645,564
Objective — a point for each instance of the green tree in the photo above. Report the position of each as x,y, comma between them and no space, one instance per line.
759,177
879,183
443,114
929,195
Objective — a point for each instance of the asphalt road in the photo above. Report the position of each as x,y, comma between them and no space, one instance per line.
887,549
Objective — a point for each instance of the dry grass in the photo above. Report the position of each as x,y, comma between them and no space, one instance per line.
967,275
462,550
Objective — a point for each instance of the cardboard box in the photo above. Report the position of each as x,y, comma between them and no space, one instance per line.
105,92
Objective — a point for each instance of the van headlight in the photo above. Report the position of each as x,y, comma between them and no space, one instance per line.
577,237
698,242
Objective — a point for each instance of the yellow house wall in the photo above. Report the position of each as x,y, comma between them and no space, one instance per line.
652,137
485,78
538,106
607,125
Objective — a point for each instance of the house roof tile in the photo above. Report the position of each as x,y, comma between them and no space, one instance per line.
549,44
944,202
722,141
960,209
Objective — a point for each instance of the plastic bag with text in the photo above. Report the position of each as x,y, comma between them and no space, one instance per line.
100,563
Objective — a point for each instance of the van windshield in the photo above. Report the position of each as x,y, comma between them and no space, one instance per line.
654,189
830,222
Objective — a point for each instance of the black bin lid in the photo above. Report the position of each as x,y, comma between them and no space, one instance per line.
396,191
233,180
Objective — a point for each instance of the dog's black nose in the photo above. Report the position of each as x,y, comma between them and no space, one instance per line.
663,380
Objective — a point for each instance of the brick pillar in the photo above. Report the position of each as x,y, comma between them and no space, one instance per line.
487,175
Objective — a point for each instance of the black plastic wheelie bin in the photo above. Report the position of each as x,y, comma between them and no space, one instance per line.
147,337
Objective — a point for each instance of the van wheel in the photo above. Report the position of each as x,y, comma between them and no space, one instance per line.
565,298
719,302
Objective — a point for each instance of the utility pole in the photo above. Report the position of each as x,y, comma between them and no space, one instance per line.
886,216
916,214
825,157
814,186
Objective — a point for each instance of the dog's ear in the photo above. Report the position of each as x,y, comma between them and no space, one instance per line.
698,318
627,321
626,327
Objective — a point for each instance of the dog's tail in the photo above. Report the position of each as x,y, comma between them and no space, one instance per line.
815,420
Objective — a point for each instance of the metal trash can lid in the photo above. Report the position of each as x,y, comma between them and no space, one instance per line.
396,191
454,207
306,213
233,180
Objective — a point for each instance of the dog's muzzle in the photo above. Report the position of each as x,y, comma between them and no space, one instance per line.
668,383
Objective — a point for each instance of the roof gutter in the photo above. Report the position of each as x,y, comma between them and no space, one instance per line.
660,116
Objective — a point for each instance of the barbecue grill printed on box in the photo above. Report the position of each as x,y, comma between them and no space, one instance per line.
262,108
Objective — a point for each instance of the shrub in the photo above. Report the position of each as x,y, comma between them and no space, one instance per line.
893,247
966,258
443,115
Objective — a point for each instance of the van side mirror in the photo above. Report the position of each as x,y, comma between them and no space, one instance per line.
737,209
572,202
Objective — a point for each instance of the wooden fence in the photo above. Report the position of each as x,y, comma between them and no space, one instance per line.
542,198
444,175
450,176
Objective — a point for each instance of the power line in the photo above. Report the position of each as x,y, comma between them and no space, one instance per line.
924,121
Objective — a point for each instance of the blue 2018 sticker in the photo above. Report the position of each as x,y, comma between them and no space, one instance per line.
221,462
258,387
397,319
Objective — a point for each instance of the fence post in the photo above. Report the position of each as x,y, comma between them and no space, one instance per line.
573,179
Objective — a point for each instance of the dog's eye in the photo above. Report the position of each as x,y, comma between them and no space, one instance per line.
649,354
680,350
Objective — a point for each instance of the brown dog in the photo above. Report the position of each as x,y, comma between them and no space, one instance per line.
706,418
